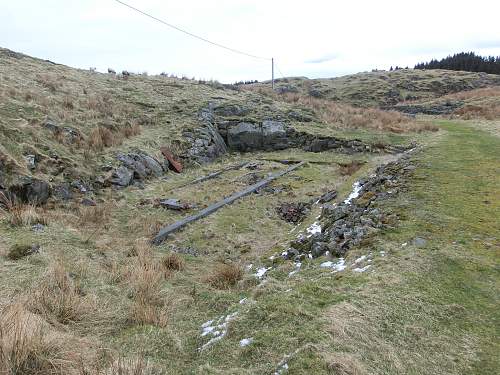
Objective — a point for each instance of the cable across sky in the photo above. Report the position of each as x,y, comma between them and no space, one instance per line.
191,34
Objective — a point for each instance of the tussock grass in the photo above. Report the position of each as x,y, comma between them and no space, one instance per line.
145,277
28,345
472,111
225,276
59,297
20,214
346,116
173,262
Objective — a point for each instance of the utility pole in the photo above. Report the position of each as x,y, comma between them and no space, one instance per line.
272,71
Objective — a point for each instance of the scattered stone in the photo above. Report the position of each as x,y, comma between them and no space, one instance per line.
346,224
293,212
122,177
174,204
328,196
63,192
38,228
30,161
88,202
419,242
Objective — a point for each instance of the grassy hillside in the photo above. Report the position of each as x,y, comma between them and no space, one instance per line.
386,88
85,292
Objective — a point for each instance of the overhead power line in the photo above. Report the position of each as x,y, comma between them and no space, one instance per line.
191,34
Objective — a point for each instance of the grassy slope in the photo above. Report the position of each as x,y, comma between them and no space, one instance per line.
387,88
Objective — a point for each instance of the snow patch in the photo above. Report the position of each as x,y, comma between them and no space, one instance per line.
313,229
261,272
360,259
216,329
246,342
297,269
356,188
335,266
362,269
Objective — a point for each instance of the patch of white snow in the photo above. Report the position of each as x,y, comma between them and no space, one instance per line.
245,342
356,188
362,269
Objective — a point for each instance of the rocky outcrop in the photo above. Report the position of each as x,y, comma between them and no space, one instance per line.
346,224
221,131
206,142
268,136
135,167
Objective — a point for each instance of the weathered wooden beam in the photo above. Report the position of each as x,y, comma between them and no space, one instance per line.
164,232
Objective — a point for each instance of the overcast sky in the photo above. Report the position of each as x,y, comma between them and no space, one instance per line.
313,38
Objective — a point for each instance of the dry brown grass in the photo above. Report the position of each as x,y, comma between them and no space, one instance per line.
49,81
101,137
28,345
19,214
225,276
471,111
173,262
130,366
348,169
473,94
131,130
58,297
68,102
145,278
94,215
345,116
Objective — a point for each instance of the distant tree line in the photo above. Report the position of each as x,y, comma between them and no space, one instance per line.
245,82
467,61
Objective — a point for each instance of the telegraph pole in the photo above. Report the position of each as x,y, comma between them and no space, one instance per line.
272,71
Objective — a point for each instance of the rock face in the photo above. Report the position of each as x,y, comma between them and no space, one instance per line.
206,142
225,127
267,136
135,167
348,223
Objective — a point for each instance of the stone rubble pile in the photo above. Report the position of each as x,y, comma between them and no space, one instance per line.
346,224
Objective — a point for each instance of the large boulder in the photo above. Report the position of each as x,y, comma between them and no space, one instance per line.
247,136
274,135
31,190
122,176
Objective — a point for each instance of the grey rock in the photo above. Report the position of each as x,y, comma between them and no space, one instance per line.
31,190
122,176
63,192
246,136
318,249
30,161
88,202
419,242
230,110
328,196
174,204
153,165
38,228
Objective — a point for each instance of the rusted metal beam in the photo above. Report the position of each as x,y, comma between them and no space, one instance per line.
164,232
